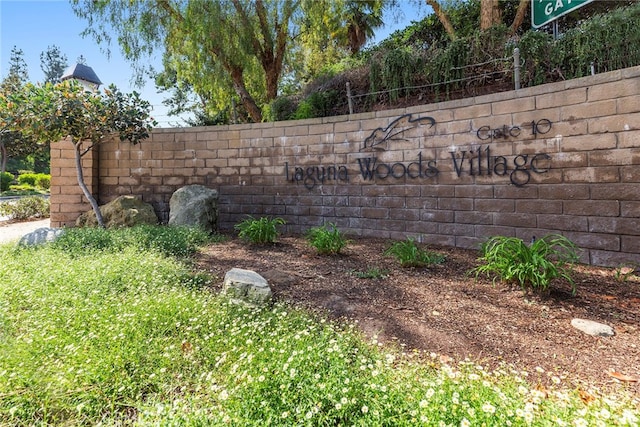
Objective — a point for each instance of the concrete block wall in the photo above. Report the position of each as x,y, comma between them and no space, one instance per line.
558,158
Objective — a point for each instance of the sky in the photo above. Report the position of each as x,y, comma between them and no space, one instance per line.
33,26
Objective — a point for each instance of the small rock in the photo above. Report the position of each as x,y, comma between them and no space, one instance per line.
590,327
40,236
246,287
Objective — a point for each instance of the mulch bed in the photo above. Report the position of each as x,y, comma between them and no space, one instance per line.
442,310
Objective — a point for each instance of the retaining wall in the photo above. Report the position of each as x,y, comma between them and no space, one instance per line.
558,158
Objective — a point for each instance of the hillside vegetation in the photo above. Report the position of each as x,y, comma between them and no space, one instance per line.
412,68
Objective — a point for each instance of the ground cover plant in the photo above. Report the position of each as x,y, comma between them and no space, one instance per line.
443,309
409,254
327,239
123,336
260,231
177,241
530,266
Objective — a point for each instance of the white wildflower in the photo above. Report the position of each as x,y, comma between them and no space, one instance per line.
488,408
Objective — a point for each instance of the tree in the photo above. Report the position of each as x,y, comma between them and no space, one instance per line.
226,49
18,72
10,90
519,17
53,63
491,14
496,12
357,22
240,43
66,110
19,144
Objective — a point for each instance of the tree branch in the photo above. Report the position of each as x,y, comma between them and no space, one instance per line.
255,43
443,18
517,20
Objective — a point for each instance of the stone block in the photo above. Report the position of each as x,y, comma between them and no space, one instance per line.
473,111
40,236
614,123
613,90
246,287
561,98
592,328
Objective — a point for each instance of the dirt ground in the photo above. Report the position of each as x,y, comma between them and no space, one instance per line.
444,310
14,230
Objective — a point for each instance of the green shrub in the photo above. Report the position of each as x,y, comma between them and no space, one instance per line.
317,104
81,241
281,108
22,190
530,266
399,69
5,180
259,231
170,241
25,208
327,239
535,46
303,111
43,181
409,254
27,179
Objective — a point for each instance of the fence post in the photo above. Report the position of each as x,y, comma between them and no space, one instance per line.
516,67
234,111
349,98
593,68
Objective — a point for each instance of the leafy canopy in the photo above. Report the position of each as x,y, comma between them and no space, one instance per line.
12,143
228,48
54,112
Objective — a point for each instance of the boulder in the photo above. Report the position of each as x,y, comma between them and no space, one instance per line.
125,211
246,287
196,206
40,236
590,327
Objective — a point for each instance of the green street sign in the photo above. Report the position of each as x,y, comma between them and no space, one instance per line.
545,11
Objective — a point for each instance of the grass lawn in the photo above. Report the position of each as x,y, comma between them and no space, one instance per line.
114,328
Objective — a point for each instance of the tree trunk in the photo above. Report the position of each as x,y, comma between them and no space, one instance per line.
3,157
519,18
265,47
490,14
272,75
245,97
443,18
83,186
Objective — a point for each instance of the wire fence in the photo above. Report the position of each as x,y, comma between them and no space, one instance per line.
474,75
